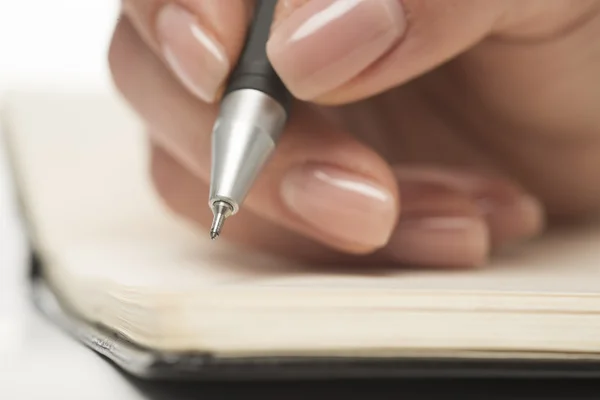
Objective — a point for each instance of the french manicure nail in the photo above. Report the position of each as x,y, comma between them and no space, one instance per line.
324,44
340,204
438,228
195,56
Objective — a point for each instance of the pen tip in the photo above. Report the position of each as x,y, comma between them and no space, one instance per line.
221,211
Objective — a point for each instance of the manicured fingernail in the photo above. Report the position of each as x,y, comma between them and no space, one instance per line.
340,204
438,228
194,55
511,214
324,44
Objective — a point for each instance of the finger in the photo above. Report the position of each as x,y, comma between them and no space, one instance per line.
458,218
442,229
512,214
199,40
450,219
332,51
321,182
183,192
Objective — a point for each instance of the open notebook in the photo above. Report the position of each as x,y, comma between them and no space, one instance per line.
146,284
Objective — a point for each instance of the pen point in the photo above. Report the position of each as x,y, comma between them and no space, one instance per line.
221,211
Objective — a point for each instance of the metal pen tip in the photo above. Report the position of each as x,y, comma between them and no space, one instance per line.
221,211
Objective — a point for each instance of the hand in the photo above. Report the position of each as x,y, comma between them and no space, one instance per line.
427,132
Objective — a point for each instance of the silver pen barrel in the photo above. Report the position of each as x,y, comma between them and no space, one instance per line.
253,113
244,137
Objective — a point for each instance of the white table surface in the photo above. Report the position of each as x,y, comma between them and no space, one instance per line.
57,45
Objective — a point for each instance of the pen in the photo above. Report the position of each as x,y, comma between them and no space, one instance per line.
253,113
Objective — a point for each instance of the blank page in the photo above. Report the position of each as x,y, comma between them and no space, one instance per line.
81,163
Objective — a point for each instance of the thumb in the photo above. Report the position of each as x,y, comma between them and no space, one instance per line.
337,51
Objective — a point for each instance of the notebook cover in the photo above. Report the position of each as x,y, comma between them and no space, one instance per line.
376,389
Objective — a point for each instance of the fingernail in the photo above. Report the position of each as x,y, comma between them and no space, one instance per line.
512,215
194,55
438,228
324,44
341,205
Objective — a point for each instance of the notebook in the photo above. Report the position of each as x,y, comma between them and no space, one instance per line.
117,270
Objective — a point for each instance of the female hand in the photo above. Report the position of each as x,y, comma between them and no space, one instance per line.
426,132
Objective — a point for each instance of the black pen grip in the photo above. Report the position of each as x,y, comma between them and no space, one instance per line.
254,70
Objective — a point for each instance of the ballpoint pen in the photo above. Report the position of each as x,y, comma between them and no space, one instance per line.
253,113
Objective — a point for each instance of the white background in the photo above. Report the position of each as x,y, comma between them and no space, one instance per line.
47,45
55,43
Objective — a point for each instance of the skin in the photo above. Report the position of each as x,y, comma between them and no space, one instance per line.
472,101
